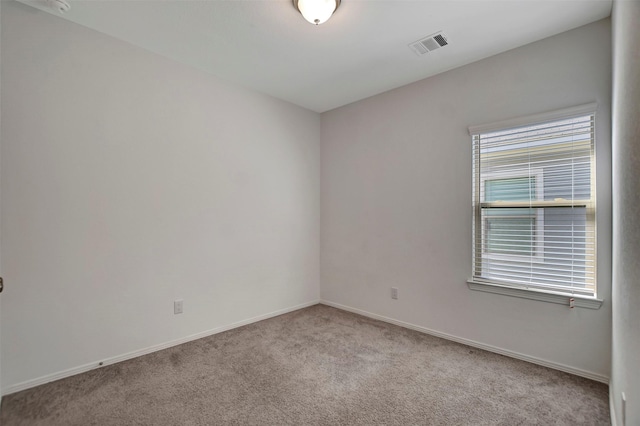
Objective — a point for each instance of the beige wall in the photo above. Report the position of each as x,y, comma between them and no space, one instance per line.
625,370
128,181
396,200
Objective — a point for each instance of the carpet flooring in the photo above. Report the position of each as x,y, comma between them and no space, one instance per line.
315,366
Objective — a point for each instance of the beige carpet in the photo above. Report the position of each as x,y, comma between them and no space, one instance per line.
316,366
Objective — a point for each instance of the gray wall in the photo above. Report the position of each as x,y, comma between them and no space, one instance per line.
396,200
128,181
1,393
625,371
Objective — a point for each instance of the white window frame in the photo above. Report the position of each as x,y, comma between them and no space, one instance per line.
532,293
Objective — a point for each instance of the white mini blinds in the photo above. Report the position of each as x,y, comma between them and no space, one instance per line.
534,203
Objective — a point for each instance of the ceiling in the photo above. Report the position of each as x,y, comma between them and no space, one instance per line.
361,51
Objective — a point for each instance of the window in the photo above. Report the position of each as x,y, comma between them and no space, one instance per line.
534,203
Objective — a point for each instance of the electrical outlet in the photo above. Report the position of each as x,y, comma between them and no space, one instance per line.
394,293
177,306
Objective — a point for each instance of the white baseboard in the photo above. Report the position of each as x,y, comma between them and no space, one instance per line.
612,409
556,366
134,354
90,366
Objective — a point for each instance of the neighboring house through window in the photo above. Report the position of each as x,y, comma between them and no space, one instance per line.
513,233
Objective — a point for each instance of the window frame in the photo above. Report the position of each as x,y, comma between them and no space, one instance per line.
476,282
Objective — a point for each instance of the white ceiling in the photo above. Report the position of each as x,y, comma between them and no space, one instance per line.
361,51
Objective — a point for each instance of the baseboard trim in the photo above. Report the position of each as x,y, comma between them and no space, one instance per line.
134,354
612,409
556,366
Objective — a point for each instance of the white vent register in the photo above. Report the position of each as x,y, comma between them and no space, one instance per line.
429,44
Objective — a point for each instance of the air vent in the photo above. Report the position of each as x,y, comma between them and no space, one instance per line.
429,44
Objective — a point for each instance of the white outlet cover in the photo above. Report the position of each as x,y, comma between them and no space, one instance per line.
394,293
177,306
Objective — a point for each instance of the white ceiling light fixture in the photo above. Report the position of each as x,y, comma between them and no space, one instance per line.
60,6
316,11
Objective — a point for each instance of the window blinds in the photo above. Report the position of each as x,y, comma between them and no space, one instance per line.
534,206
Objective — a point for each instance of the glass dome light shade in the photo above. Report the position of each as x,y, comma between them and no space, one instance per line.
316,11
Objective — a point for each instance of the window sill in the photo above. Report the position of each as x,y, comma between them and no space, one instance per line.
562,299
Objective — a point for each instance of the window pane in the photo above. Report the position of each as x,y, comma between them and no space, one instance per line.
514,189
509,235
